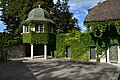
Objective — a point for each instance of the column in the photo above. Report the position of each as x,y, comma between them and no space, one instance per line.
45,51
32,56
118,54
108,59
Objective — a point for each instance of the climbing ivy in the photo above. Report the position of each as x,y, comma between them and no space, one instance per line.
79,45
108,33
38,38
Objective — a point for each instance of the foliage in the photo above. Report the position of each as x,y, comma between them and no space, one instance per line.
63,17
9,40
109,34
26,38
60,45
14,12
38,38
79,44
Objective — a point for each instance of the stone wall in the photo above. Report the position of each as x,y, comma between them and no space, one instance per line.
15,52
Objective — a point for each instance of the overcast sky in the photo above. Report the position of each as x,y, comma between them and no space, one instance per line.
78,7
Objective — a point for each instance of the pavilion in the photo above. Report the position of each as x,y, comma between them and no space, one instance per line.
39,32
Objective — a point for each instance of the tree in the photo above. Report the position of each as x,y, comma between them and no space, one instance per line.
14,12
63,17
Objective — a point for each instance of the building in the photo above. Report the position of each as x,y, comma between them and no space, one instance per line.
104,12
39,32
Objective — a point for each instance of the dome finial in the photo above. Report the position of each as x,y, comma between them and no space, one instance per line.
39,5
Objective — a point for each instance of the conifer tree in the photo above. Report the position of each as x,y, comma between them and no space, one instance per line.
64,18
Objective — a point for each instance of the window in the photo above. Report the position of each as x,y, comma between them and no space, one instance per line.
26,28
42,29
39,28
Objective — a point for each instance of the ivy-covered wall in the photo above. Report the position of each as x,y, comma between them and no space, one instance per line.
79,45
79,42
105,34
38,38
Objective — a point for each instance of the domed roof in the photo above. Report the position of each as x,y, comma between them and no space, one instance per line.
39,14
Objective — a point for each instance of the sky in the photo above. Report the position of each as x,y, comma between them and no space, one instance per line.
78,7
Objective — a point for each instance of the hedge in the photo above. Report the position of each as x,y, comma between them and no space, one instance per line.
9,39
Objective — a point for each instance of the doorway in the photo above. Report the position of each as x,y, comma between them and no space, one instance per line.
92,52
113,53
67,52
